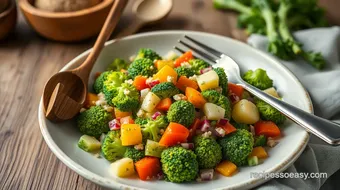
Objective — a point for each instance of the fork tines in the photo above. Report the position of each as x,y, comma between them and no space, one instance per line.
206,52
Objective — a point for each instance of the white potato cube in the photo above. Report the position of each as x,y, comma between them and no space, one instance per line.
272,91
245,112
213,111
123,167
150,102
144,92
208,80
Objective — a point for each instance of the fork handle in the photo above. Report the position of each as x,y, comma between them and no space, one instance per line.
323,128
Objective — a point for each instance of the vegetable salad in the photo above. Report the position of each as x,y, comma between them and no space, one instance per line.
177,119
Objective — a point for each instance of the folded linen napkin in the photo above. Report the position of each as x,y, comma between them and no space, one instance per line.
324,89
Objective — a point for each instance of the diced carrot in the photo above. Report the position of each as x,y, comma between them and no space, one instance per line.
183,82
90,100
235,89
228,128
259,151
175,133
126,120
121,114
226,168
195,97
97,74
148,167
267,128
140,83
194,127
164,104
183,58
165,74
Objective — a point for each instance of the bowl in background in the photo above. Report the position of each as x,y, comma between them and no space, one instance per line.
66,26
8,19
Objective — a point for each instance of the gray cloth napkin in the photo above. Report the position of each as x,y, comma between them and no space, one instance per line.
324,88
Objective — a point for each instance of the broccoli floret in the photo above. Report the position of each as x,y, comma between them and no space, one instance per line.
184,71
239,125
112,148
165,90
111,84
182,112
148,53
117,65
143,66
151,130
258,78
208,152
179,165
94,121
134,154
197,65
141,121
127,98
214,97
99,82
260,141
223,80
237,146
269,113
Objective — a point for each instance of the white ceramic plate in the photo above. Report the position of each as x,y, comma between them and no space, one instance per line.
62,138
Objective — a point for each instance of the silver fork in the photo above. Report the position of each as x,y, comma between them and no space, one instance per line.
322,128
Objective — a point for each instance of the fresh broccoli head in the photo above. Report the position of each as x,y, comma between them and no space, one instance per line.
214,97
182,112
184,71
117,65
197,65
134,154
237,146
143,67
94,121
112,148
148,53
141,121
179,164
260,141
99,82
258,78
223,80
208,152
111,84
268,112
165,90
127,98
151,130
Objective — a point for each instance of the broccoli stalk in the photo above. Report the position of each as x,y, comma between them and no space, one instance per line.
151,129
233,5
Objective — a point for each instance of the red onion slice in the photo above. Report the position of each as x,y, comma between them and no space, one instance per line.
220,132
189,146
207,174
153,83
155,115
205,126
202,71
114,125
234,98
223,122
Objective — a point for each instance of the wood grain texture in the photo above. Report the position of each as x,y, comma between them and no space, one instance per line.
26,63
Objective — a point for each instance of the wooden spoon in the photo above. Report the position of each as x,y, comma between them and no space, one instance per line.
65,92
147,12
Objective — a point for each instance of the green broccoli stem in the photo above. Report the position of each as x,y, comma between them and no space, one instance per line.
315,59
233,5
269,17
284,30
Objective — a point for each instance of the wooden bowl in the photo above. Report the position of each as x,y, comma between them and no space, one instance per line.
66,26
8,19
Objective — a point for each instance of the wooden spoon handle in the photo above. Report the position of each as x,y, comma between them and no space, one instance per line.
83,71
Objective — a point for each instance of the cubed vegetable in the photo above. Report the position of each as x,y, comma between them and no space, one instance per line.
91,100
272,91
126,120
148,167
253,161
123,167
267,128
195,97
245,112
174,134
164,104
208,80
235,89
185,57
226,168
213,111
143,93
161,63
150,102
259,152
140,82
121,114
183,82
153,148
131,134
166,74
88,143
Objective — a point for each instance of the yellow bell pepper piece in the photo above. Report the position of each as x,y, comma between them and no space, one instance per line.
259,151
161,63
226,168
166,74
131,134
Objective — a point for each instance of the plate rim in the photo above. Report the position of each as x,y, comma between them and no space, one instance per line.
110,183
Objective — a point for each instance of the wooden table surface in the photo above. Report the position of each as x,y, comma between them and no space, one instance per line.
26,63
